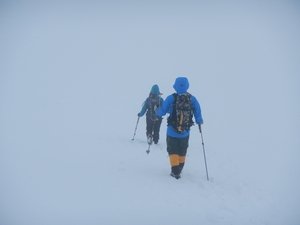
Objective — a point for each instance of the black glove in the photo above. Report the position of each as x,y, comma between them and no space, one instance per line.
199,125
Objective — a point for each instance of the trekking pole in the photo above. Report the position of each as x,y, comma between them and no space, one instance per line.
136,127
148,150
203,151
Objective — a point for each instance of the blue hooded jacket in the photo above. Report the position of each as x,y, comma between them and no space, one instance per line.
181,86
155,90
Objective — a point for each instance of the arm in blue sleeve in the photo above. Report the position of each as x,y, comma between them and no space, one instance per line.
165,108
197,111
161,101
144,108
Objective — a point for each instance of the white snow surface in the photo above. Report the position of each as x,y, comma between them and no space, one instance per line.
73,76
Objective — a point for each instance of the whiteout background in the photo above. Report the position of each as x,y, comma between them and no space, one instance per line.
73,76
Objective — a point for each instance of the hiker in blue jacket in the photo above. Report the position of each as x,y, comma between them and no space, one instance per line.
153,121
178,139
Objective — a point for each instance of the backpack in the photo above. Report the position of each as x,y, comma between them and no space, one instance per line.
181,117
153,104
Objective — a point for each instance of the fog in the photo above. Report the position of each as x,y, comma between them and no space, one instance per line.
73,77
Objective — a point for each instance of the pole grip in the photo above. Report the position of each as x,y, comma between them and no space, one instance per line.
200,130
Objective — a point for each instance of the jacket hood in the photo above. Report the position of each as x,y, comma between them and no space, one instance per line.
181,85
155,90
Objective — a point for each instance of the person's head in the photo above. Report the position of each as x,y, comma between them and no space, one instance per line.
181,85
155,89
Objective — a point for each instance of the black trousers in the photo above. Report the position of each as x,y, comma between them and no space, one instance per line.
153,128
177,149
177,146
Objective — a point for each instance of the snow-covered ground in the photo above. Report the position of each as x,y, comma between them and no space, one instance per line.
73,77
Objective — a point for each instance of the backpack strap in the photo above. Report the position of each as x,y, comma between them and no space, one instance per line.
171,120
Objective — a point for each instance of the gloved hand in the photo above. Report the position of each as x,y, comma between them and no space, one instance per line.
139,115
199,125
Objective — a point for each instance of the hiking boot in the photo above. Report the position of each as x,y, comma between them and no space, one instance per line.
155,138
177,176
149,139
181,165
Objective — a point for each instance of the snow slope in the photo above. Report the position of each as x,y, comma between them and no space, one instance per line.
74,77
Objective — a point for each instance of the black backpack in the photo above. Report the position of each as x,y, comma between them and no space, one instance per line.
181,117
153,104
